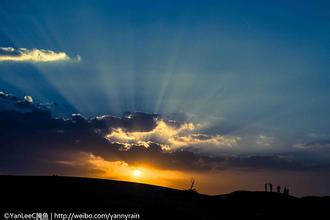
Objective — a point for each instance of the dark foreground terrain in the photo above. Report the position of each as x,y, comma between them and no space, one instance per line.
70,194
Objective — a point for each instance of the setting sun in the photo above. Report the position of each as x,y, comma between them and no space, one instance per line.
137,173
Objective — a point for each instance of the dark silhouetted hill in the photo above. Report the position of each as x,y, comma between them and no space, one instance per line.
72,194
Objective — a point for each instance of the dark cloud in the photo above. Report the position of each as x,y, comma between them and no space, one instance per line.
32,140
131,121
273,162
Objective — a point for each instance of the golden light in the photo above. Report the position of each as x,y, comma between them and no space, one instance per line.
120,170
137,173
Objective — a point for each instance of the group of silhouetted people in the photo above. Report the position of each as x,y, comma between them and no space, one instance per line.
278,188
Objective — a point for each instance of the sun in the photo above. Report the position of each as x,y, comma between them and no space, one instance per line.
137,173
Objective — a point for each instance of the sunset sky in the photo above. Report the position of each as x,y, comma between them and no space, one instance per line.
233,94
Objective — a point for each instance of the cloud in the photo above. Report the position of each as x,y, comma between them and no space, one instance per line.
10,54
34,140
317,145
28,98
171,135
314,142
264,140
10,102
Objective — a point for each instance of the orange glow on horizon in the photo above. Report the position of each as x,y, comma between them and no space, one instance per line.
210,182
121,170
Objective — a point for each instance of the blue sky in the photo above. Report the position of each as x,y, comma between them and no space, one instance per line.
257,70
231,60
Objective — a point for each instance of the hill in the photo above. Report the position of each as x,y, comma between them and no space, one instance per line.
73,194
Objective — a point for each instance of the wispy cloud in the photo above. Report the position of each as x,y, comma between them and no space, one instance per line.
11,54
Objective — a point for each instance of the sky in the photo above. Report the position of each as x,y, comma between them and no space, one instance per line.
233,94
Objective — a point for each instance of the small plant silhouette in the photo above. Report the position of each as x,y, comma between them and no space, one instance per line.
192,184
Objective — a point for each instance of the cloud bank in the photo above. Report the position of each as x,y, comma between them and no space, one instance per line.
10,54
134,139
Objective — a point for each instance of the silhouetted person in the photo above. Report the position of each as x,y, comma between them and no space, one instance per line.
286,191
266,187
270,187
278,189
